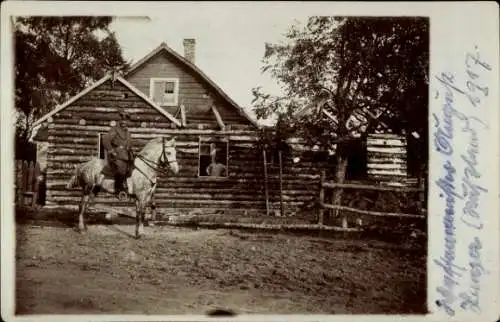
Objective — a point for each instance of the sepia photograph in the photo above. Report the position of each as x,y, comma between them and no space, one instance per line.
221,163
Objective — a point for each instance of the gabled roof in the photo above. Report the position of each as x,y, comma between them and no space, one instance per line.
169,51
97,84
37,124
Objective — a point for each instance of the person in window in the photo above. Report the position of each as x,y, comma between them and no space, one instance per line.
216,168
118,151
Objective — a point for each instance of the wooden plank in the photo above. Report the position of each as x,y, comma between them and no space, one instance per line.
387,173
396,150
221,124
385,136
387,166
386,142
183,115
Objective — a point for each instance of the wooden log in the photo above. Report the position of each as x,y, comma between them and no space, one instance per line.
201,197
368,187
152,121
372,213
241,135
279,227
57,174
242,179
161,203
111,102
207,194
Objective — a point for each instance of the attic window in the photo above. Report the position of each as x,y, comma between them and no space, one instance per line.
164,91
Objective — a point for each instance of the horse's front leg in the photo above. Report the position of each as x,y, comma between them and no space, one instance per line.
139,219
81,213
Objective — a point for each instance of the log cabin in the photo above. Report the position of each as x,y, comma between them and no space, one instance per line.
167,94
383,155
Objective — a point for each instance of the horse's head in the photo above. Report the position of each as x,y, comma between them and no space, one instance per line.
168,154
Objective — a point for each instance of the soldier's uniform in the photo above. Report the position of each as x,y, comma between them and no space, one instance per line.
118,151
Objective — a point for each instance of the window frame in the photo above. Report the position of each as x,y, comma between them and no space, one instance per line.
152,82
272,156
209,140
99,146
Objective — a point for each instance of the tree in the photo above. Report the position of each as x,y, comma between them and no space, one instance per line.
362,72
55,58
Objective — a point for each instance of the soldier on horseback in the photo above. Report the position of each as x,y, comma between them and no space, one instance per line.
119,153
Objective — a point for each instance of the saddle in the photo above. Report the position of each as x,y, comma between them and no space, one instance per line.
109,172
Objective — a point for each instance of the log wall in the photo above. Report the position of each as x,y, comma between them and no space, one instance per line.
73,138
387,155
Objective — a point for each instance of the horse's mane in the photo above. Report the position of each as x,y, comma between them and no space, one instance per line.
147,149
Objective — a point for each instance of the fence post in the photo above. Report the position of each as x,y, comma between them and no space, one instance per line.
26,183
281,184
321,197
19,181
265,181
36,183
31,172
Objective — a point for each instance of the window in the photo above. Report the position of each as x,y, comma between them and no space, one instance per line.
101,154
273,152
272,156
164,91
213,158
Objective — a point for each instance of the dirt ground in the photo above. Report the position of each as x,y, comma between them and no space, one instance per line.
174,270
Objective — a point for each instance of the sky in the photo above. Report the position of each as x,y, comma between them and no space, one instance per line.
229,43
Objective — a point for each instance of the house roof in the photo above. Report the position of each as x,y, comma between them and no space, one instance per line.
59,108
169,51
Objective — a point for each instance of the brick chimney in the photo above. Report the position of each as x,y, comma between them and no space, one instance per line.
189,49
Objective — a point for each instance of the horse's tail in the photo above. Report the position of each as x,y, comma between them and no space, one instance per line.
73,181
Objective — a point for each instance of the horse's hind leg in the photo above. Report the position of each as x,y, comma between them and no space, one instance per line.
81,214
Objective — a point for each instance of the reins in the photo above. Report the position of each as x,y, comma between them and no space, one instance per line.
156,166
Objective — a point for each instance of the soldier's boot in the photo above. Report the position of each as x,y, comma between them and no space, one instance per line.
120,189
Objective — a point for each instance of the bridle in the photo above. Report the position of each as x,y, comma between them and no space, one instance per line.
159,166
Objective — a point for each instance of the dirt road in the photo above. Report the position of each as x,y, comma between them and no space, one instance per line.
175,270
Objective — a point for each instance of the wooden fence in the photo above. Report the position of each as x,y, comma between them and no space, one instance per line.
417,202
27,183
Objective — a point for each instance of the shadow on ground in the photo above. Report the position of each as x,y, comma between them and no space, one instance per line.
65,218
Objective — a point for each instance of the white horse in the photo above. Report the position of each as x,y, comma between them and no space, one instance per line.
153,158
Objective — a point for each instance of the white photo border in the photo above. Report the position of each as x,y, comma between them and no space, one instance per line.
456,28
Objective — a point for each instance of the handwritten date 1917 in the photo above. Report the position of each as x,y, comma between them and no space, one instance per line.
454,129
